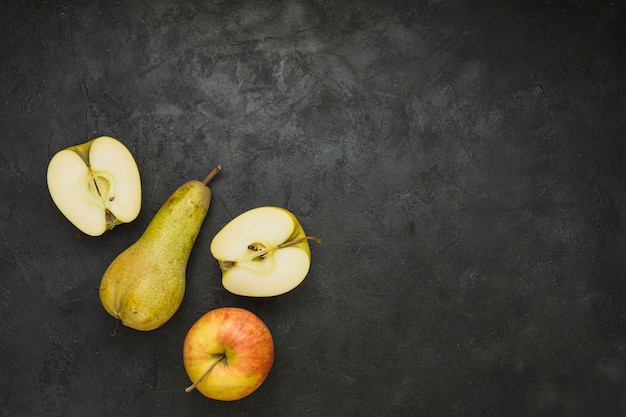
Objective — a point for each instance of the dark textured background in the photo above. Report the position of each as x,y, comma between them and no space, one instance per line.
463,162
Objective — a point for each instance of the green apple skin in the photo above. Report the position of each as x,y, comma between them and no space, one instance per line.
228,353
263,252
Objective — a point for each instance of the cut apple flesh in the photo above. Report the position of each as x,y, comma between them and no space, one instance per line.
95,185
114,166
273,275
251,252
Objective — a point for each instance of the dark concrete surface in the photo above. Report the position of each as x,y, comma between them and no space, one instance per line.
462,161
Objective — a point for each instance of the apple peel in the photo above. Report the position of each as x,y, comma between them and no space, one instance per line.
239,342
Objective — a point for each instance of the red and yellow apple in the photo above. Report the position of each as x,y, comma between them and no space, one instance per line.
263,252
95,185
228,353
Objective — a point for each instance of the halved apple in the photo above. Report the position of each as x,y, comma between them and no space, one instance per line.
96,185
263,252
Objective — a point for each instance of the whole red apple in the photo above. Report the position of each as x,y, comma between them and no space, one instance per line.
228,353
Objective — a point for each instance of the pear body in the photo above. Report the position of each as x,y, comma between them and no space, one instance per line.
144,285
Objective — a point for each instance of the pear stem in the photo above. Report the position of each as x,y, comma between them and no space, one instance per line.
191,387
298,240
213,173
114,332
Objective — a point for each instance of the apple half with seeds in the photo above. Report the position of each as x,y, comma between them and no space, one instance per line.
95,185
263,252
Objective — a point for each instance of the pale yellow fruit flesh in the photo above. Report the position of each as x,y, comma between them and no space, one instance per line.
69,184
112,160
281,273
270,225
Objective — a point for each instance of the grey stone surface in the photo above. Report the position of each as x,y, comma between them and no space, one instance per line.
463,163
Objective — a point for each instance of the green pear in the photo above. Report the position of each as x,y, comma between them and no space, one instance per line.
144,285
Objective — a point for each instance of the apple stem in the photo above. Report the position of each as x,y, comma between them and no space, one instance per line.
220,358
298,240
213,173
